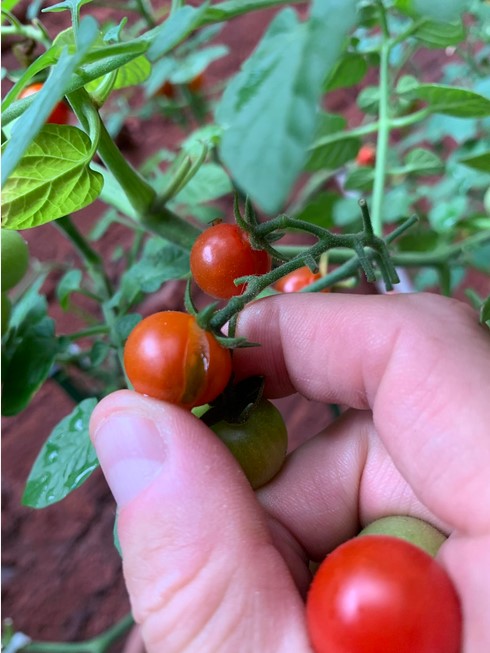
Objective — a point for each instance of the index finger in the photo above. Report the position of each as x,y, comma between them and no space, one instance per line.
421,363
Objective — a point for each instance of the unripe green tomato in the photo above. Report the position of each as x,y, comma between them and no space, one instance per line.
15,258
259,444
414,530
6,310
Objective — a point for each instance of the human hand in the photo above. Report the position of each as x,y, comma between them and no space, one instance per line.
212,566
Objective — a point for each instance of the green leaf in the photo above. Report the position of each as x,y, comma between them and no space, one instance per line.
33,119
360,179
269,110
441,35
69,283
349,71
319,210
479,162
209,183
346,211
450,100
125,324
52,179
445,215
66,460
99,352
368,100
196,62
441,11
31,352
181,23
419,160
485,312
332,155
233,8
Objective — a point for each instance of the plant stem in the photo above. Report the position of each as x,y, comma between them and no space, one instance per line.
98,329
99,644
384,129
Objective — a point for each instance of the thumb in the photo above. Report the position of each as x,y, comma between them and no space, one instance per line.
199,564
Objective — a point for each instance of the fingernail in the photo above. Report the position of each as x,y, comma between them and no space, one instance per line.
131,451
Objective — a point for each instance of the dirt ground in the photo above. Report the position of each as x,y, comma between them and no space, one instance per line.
61,575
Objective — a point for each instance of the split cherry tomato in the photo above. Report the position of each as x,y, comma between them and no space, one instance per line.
379,593
60,113
366,156
222,254
259,444
169,357
298,279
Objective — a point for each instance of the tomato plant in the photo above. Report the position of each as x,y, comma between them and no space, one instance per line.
381,593
169,357
117,199
220,255
297,280
60,114
259,443
15,258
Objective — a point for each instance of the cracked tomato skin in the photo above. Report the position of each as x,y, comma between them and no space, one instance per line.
297,280
169,357
382,594
222,254
60,114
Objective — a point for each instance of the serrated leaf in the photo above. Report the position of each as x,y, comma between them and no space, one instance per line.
349,71
69,283
52,179
66,460
450,100
181,23
479,162
269,110
33,348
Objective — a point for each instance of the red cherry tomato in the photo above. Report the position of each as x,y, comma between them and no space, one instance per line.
381,594
366,156
169,357
298,279
196,84
167,90
60,114
220,255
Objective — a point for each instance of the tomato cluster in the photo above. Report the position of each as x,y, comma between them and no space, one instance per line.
379,593
60,114
222,254
169,357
